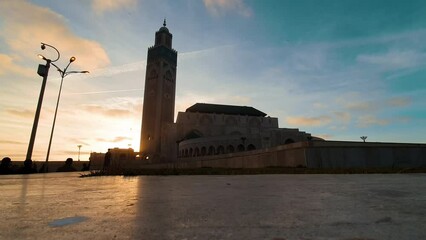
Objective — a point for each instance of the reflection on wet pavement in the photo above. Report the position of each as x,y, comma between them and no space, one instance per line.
64,206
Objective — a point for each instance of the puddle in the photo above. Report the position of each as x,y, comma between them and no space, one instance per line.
67,221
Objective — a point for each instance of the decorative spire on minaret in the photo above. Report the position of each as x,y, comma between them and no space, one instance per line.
164,23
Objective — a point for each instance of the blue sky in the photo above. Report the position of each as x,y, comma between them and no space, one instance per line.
338,69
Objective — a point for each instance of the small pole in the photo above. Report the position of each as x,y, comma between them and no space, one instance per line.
79,147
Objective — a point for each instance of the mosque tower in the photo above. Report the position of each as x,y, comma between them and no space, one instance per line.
159,95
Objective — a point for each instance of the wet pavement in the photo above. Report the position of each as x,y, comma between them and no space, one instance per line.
276,207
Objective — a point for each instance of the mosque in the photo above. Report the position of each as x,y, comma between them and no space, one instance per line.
203,129
217,135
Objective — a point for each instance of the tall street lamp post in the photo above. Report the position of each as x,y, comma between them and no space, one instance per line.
79,147
63,74
43,71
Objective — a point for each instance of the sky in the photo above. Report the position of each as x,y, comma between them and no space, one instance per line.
338,69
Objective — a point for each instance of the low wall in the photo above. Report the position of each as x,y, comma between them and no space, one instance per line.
313,154
365,155
53,165
282,156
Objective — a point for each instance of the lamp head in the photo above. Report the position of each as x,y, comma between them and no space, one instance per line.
41,56
43,46
72,59
85,72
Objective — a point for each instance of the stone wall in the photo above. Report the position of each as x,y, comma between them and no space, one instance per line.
312,154
365,155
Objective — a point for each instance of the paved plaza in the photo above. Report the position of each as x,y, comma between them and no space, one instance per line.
275,207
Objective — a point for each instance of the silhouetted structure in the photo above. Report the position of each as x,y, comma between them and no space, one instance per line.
28,167
67,167
85,167
42,168
159,97
107,160
6,166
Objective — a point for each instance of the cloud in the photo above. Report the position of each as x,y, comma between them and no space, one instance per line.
361,106
369,106
116,107
118,70
25,25
8,66
324,136
83,142
110,112
344,117
219,7
398,102
11,142
369,120
21,113
101,6
393,59
114,140
109,91
308,121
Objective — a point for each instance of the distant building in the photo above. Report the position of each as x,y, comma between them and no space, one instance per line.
96,160
115,157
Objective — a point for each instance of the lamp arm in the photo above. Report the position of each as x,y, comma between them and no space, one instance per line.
57,52
59,70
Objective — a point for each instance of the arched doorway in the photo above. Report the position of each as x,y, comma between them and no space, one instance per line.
230,149
251,147
220,150
211,150
241,148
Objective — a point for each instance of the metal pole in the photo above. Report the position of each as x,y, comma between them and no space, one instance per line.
54,121
79,147
37,114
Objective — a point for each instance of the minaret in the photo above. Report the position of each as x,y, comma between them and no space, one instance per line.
159,94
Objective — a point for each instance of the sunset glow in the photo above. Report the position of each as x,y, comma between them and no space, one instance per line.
336,69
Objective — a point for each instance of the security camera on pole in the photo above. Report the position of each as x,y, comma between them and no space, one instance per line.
43,71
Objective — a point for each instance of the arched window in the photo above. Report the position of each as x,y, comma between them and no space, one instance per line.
168,76
190,152
203,151
220,150
230,149
240,148
186,152
211,150
197,152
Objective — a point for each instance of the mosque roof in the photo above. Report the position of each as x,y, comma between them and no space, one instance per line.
225,109
164,28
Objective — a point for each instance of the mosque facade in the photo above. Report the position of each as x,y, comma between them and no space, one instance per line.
203,129
227,136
